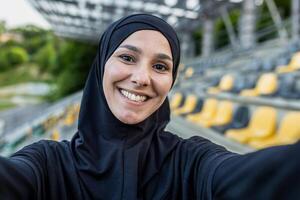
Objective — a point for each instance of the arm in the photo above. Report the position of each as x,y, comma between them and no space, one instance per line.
21,175
16,179
271,173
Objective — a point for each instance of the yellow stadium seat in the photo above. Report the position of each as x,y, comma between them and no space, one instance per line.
261,125
55,135
223,115
188,106
70,119
208,111
176,100
267,84
293,65
189,72
226,84
181,67
77,107
288,132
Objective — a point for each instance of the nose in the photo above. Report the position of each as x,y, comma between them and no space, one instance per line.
140,77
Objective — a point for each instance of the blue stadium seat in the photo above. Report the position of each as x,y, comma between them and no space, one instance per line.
240,120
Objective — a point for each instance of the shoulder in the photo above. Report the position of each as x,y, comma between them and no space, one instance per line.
43,151
199,148
197,142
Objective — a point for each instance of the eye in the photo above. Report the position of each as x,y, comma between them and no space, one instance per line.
160,67
127,58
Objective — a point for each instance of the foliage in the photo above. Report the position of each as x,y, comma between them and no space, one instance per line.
22,74
16,56
46,57
73,62
265,20
4,64
12,56
221,36
34,37
197,36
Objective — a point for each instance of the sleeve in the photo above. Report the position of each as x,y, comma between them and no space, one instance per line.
20,174
271,173
200,160
16,179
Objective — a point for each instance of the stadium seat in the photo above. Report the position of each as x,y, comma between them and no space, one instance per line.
197,108
189,72
181,67
282,61
242,82
240,120
70,118
266,85
268,65
226,84
55,135
223,115
208,111
288,87
293,65
288,132
261,125
297,87
176,100
188,106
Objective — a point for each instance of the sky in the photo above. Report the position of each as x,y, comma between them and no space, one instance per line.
20,12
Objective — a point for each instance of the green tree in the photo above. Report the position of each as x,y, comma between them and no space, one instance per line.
12,56
4,64
73,63
16,56
46,57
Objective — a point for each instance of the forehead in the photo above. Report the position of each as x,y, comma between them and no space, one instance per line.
149,40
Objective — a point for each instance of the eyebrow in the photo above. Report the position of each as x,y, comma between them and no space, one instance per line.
138,50
132,48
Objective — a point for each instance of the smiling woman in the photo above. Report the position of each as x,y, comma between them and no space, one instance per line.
138,76
121,149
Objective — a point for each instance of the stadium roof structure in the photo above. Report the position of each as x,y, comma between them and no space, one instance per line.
87,19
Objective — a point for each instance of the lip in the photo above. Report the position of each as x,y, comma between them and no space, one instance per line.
135,103
136,92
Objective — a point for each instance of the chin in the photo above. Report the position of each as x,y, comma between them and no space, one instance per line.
130,119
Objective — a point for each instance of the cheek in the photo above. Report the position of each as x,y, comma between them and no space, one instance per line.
115,72
162,85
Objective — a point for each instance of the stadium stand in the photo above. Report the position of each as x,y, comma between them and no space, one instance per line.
263,100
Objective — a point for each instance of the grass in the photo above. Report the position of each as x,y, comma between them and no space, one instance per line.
20,74
23,73
6,105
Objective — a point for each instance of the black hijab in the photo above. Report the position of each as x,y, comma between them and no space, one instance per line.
103,145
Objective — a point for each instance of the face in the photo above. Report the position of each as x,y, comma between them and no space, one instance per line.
138,76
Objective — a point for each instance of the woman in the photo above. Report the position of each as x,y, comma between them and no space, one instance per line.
121,150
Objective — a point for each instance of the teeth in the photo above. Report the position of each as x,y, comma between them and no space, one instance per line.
133,97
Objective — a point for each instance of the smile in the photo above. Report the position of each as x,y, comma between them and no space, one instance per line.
132,96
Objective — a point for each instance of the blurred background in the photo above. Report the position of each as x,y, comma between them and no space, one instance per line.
238,82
